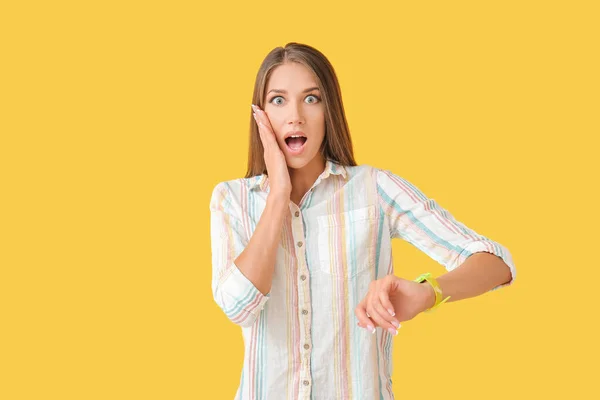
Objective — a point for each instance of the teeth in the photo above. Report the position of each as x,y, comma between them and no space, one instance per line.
296,136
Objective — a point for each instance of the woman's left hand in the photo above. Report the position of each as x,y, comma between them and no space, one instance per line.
391,300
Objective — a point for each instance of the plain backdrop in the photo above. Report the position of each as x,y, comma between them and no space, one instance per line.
118,118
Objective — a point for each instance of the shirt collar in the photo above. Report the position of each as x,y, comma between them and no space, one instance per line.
331,168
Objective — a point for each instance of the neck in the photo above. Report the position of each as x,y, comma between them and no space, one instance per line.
303,178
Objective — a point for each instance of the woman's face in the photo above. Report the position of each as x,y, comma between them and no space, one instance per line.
293,105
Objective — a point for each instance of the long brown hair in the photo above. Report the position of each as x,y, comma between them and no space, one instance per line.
337,144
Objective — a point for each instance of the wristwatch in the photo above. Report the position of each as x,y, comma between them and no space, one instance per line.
436,288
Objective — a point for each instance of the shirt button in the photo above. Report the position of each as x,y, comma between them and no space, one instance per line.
304,312
302,277
306,346
299,244
297,214
306,383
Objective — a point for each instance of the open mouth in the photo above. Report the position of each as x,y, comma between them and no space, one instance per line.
295,144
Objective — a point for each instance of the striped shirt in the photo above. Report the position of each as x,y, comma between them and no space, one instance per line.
301,340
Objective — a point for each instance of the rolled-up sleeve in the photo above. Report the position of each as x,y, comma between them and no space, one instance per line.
432,229
237,296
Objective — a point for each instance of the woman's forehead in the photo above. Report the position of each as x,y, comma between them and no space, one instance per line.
293,77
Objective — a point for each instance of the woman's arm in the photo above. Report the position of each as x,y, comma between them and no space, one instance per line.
479,274
257,261
242,266
421,221
475,263
391,299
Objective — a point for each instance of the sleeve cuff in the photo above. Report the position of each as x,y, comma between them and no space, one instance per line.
244,297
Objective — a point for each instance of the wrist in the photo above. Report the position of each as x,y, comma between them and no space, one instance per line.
428,295
280,203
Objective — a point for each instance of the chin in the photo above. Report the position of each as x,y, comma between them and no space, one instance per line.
300,162
297,164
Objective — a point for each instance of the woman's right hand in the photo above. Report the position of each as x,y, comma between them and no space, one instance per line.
277,169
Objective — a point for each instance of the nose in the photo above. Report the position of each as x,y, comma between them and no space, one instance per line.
296,116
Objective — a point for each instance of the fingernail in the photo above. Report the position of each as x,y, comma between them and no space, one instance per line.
392,313
371,328
392,331
253,108
396,324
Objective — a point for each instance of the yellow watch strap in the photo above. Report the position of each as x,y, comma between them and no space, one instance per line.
436,288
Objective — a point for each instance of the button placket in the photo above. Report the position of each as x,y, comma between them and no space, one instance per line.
304,305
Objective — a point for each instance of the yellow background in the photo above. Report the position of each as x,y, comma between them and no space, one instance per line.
117,119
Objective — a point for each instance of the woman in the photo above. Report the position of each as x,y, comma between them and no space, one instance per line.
302,245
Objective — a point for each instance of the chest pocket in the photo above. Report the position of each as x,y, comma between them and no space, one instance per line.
347,242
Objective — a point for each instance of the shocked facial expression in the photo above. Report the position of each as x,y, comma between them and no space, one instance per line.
296,113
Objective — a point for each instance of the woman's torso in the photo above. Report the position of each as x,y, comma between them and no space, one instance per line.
306,344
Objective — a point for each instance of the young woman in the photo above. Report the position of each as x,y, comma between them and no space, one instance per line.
301,245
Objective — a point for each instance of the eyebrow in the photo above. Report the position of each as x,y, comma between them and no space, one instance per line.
285,91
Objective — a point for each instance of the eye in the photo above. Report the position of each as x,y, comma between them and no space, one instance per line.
315,97
276,97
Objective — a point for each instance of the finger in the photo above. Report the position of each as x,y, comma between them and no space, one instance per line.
257,124
367,300
370,311
363,320
268,136
384,300
256,121
264,137
378,314
262,140
263,117
391,322
376,317
373,288
384,295
261,133
383,286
